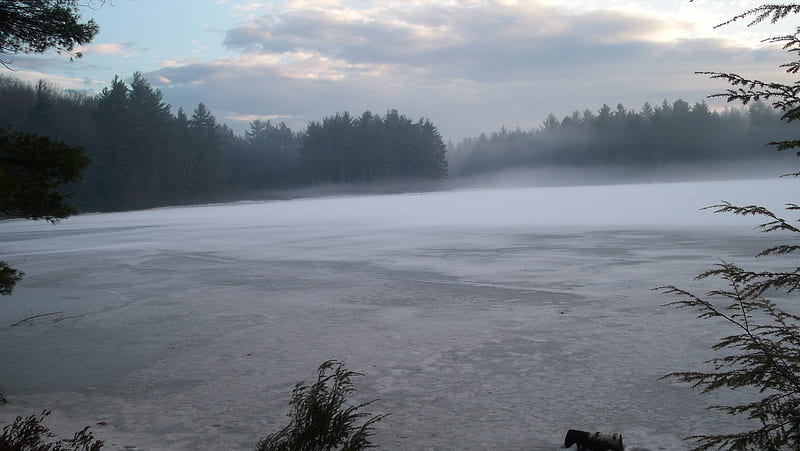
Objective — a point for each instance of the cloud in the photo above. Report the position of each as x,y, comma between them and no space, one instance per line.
241,119
61,82
470,66
55,69
263,117
476,41
247,9
124,49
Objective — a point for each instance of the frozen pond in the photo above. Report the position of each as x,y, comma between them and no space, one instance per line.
485,319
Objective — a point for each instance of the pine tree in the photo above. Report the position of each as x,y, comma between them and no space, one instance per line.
32,168
149,123
208,169
115,161
763,351
33,26
270,157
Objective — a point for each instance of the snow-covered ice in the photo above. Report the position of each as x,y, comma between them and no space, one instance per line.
482,319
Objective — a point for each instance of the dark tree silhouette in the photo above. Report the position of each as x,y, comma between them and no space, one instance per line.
30,434
646,141
33,167
34,26
763,351
370,148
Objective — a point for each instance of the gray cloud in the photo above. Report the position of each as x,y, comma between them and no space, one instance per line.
468,69
475,43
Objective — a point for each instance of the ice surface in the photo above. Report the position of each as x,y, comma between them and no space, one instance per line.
483,319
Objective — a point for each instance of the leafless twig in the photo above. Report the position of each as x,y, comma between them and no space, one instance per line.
41,315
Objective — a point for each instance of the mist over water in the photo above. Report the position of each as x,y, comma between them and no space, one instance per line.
482,318
617,175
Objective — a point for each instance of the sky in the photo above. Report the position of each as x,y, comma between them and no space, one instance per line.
470,66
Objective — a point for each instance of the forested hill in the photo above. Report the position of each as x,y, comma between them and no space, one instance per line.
670,134
144,155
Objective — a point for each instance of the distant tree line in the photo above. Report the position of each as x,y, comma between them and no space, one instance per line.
370,148
650,138
142,155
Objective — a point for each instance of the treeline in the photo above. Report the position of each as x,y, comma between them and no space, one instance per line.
142,155
651,138
371,148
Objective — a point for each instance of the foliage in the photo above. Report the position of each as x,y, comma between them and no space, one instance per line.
783,97
145,156
29,434
269,157
763,353
33,167
645,140
33,26
8,278
369,148
32,170
322,418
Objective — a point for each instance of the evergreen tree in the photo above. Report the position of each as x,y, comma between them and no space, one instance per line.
182,156
341,149
369,141
33,26
32,170
550,123
149,124
269,157
206,169
645,140
763,351
434,155
41,113
115,161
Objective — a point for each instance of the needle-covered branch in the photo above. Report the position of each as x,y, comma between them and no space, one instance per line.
762,355
34,26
